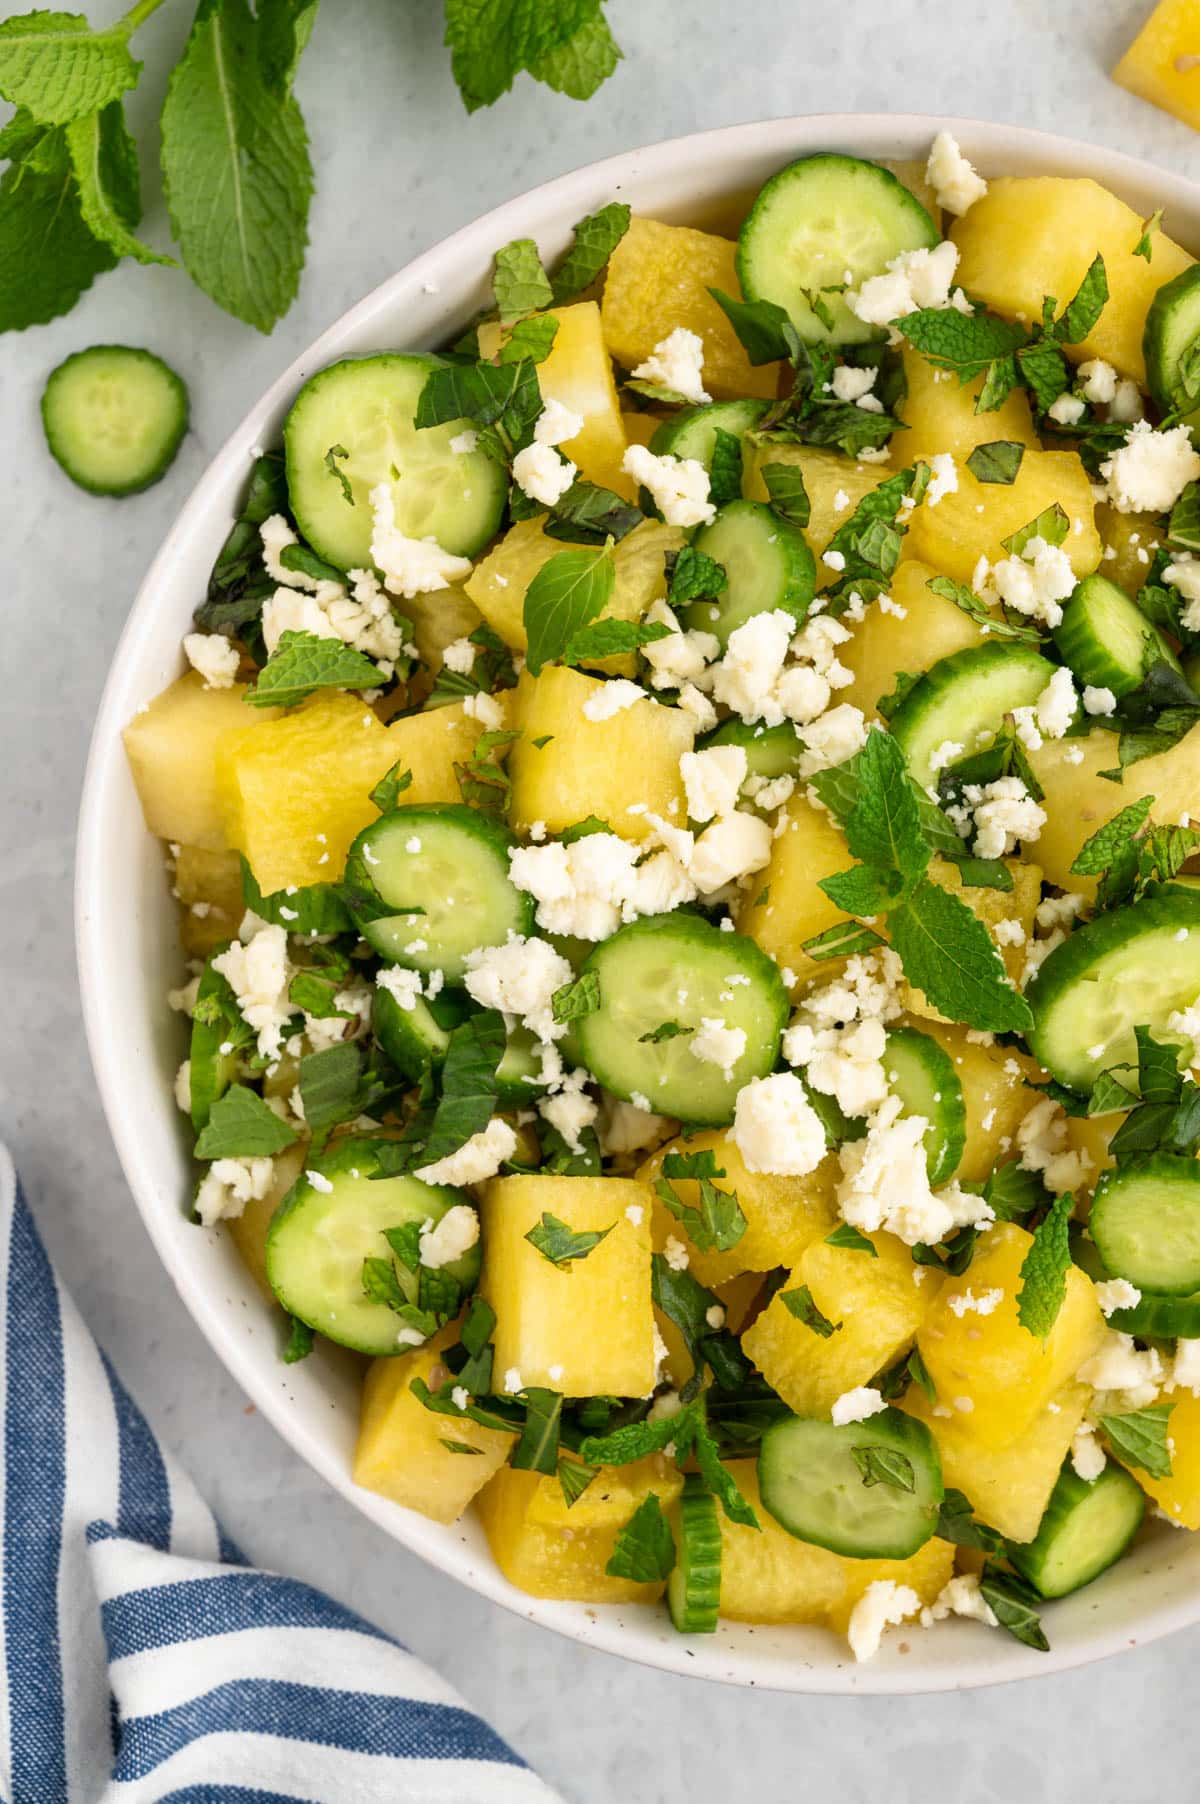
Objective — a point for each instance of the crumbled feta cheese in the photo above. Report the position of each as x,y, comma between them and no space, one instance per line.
965,1302
1058,911
1149,472
1186,1023
677,362
960,1596
1087,1455
588,888
885,1183
775,1127
1002,813
1183,573
352,1001
712,779
714,1315
513,1382
463,443
228,1185
1057,705
857,1406
730,848
949,752
214,656
624,1129
570,1110
409,566
1120,1367
884,1604
842,1062
913,280
520,978
1009,933
955,183
1035,584
676,1254
612,698
1098,381
1185,1369
403,986
183,1087
1044,1146
681,658
184,1000
1117,1293
557,424
746,678
1067,410
447,1240
479,1158
943,478
678,486
543,474
259,975
832,739
716,1044
850,384
1126,404
486,709
1098,700
460,1396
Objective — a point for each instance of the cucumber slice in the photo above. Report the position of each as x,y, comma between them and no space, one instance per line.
770,751
679,969
1122,970
321,1233
818,222
964,696
1160,1318
1171,341
693,431
814,1486
210,1070
367,405
114,418
444,870
519,1073
416,1038
768,563
921,1073
1145,1221
1086,1527
694,1587
1107,640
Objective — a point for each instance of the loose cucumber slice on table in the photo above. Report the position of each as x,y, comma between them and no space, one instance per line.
814,1485
1087,1526
921,1073
366,406
324,1229
1107,640
770,751
1126,969
416,1037
675,971
823,223
210,1071
693,431
1171,341
964,696
443,870
114,417
1145,1221
767,562
694,1587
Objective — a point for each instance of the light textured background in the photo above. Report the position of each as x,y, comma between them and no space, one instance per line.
399,165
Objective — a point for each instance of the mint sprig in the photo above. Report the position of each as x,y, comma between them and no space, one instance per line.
302,663
565,595
241,1126
564,43
644,1549
1044,1270
1139,1438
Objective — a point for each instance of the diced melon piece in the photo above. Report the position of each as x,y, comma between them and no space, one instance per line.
972,522
1009,1487
172,752
578,372
1162,64
431,744
994,1093
783,1215
887,645
1032,236
1179,1494
585,1328
1134,538
600,767
924,1572
1000,1370
810,847
209,888
658,278
939,415
549,1560
403,1450
835,483
497,586
1079,800
879,1303
991,906
641,427
611,1498
248,1231
1091,1134
438,618
767,1575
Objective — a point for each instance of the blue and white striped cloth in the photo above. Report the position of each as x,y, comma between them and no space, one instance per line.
141,1659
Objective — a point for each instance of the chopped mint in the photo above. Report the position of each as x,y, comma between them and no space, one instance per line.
560,1244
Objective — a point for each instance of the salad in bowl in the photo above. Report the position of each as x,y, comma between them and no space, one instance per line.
679,806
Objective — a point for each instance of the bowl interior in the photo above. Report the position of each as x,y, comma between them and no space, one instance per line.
129,957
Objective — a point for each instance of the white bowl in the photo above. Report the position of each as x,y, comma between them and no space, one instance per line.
128,952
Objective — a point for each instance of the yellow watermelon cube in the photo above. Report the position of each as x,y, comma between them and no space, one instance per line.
439,618
880,1303
972,522
550,1560
810,847
939,415
409,1453
1032,236
209,888
1178,1494
992,1371
248,1231
600,767
1162,64
835,483
611,1498
658,278
1133,539
1009,1487
585,1328
172,750
925,1572
887,644
578,372
767,1575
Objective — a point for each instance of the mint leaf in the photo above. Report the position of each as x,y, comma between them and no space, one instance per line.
998,627
847,1236
537,1449
104,159
316,995
872,538
725,468
764,330
956,1523
301,663
963,342
236,169
48,256
883,827
644,1550
596,238
1015,1606
519,283
483,780
560,1244
299,1341
999,461
578,67
1045,372
633,1441
1051,524
693,576
1112,854
589,515
241,1126
284,28
565,594
500,1413
863,890
1139,1438
1144,247
507,397
1044,1270
390,788
314,909
666,1030
329,1086
884,1466
1013,1193
575,1000
947,952
491,42
718,1224
786,493
799,1302
574,1478
530,338
1080,316
610,638
303,557
468,1085
55,65
842,940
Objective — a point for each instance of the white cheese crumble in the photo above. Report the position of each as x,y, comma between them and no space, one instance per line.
913,280
1098,700
965,1302
540,472
612,698
1009,933
403,986
1183,573
943,478
214,656
1120,1367
443,1242
1126,404
624,1129
1149,472
678,486
712,780
1051,714
1098,381
716,1044
409,566
183,1087
1087,1455
1185,1369
1067,410
1035,584
730,848
999,815
885,1183
228,1185
775,1127
570,1110
682,658
463,443
851,384
857,1405
677,362
960,1596
1044,1147
259,973
520,978
478,1159
956,184
1058,911
884,1604
1117,1293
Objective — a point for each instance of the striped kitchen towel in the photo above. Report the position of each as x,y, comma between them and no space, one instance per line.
141,1659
